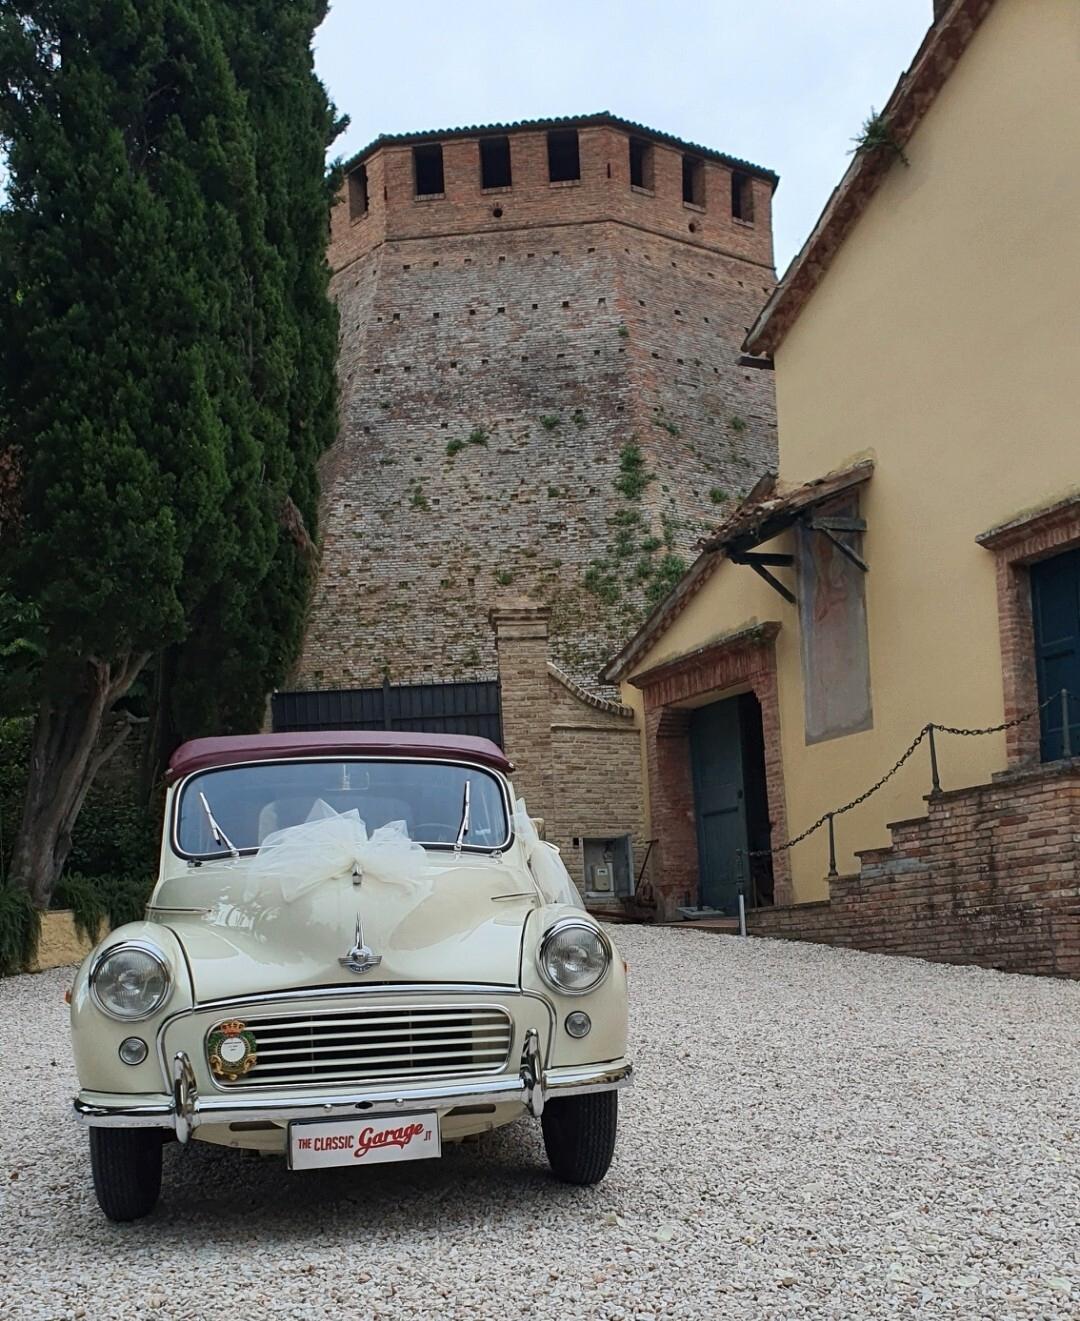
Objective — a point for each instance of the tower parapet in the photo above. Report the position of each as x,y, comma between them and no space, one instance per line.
554,172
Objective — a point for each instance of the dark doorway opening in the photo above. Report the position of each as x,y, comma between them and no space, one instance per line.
495,163
731,803
564,163
428,169
1055,610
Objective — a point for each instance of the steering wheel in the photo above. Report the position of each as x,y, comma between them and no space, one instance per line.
433,832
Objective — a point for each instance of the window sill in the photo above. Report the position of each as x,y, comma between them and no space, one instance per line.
746,224
694,206
502,188
429,197
645,192
359,220
564,183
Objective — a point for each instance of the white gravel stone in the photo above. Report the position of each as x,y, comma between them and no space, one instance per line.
814,1133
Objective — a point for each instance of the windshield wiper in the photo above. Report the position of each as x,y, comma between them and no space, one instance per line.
220,836
463,829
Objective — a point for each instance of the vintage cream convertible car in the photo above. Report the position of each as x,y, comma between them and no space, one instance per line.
358,949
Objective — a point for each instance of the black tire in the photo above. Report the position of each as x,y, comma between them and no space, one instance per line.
127,1170
579,1135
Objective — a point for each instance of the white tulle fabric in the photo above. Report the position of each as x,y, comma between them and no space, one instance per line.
329,844
545,861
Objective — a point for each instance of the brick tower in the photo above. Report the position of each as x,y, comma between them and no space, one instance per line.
542,396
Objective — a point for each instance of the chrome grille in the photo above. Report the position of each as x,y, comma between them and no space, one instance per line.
376,1043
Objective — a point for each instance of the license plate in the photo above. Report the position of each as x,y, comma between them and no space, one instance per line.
317,1143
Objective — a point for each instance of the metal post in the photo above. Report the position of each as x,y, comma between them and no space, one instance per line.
1066,736
935,778
741,887
832,848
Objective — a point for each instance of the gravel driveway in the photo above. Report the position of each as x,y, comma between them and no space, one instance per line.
813,1133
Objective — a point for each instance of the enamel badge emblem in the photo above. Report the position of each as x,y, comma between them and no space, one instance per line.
231,1051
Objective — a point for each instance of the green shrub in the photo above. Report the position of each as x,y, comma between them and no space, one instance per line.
504,577
601,582
623,333
633,476
20,927
92,899
454,446
478,436
549,422
579,418
668,573
718,495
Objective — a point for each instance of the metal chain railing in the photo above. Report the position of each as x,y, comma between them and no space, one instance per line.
926,734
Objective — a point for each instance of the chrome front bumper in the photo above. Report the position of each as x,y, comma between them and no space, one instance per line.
186,1110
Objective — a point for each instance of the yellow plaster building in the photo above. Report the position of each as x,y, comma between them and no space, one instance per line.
918,559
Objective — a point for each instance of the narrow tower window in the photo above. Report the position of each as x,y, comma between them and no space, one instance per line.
641,163
428,169
358,193
742,196
495,163
693,180
564,162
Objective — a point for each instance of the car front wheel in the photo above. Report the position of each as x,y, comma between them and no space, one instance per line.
127,1170
579,1135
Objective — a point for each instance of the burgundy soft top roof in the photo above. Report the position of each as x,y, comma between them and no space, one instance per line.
202,753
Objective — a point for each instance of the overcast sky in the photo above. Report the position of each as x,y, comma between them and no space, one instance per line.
783,83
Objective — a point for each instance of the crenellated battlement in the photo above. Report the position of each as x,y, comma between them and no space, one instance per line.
510,177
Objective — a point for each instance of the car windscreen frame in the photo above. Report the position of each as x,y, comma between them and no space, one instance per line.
485,849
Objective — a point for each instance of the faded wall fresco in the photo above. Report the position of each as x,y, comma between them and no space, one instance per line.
832,631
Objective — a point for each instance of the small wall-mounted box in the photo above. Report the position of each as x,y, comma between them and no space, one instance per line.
609,867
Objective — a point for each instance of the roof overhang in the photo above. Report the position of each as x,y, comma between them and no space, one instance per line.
905,109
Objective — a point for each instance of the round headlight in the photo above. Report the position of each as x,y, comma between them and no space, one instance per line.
130,981
574,957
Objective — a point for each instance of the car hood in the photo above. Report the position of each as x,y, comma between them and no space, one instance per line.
462,924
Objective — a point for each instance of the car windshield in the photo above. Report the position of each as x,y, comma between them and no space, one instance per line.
236,807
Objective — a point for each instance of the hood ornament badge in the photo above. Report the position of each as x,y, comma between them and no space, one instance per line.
361,958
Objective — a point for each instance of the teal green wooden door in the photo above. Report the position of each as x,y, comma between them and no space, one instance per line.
1055,608
719,801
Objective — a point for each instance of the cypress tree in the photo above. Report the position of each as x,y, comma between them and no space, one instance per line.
248,633
144,355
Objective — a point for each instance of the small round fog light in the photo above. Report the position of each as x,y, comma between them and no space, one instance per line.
133,1050
578,1023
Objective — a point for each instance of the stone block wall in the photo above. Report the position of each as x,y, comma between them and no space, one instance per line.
990,876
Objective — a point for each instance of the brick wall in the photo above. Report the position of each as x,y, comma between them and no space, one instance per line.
603,192
990,876
587,318
596,772
577,757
